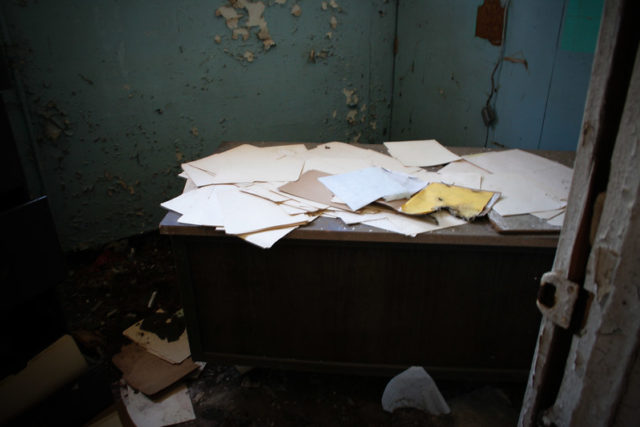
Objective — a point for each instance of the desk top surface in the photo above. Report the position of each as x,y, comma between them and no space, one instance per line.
479,232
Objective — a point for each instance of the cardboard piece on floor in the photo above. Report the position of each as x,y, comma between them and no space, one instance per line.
148,373
420,153
51,369
171,351
308,187
244,213
247,163
172,409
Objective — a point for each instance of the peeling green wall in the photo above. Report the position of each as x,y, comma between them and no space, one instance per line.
113,95
119,93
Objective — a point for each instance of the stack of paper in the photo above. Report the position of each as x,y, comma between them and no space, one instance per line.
262,194
528,183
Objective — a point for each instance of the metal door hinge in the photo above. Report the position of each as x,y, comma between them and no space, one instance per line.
558,298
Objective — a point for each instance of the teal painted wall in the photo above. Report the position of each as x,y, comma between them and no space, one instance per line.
119,93
443,71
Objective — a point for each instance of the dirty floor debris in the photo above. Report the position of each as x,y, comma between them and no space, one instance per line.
109,289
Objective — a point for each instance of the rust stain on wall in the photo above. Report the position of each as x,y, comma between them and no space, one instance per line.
490,21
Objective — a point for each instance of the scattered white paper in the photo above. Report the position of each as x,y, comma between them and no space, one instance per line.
412,226
359,188
548,214
558,220
350,218
519,195
205,211
189,185
420,153
461,179
174,409
244,213
342,150
183,203
199,177
335,165
266,239
266,190
462,166
551,176
410,183
247,163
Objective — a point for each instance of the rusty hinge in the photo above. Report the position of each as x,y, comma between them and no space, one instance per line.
560,300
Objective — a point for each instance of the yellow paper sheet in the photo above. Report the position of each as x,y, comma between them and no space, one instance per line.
462,202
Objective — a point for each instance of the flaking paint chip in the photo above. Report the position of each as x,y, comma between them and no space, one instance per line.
333,22
324,5
217,39
296,10
249,56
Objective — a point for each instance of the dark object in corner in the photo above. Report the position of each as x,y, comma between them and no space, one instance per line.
31,264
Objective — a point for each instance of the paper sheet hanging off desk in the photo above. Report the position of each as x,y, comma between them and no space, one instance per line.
244,213
420,153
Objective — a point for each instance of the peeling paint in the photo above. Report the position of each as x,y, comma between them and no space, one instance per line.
217,39
296,10
329,35
194,131
240,33
334,114
230,15
373,125
324,5
281,1
352,116
333,4
254,18
249,56
333,22
351,97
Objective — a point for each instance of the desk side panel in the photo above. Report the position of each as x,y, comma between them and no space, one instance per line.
367,304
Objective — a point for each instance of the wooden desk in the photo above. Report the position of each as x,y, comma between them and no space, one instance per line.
457,301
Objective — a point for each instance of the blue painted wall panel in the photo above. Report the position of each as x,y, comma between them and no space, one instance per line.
442,73
567,96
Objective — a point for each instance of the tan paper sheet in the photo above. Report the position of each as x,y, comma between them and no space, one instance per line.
420,153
